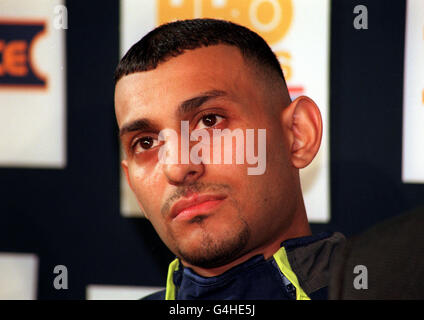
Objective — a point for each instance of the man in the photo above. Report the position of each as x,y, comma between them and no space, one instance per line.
236,234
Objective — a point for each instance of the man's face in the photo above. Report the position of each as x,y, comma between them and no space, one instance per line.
207,214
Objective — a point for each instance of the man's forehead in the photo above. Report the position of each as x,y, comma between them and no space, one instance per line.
205,69
203,63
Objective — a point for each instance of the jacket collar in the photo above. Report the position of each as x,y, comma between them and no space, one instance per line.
303,262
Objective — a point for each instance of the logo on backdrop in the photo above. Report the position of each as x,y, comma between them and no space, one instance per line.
271,19
17,67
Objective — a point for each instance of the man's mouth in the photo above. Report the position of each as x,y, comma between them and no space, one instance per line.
188,208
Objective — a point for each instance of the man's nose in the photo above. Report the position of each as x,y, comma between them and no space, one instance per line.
183,174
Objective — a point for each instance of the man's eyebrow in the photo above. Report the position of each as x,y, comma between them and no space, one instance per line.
191,104
137,125
184,108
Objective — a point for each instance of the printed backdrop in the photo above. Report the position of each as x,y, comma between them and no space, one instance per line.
32,85
32,112
413,98
60,193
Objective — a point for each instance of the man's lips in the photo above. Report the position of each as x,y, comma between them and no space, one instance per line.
187,208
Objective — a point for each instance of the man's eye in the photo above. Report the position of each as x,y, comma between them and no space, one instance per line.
208,121
145,143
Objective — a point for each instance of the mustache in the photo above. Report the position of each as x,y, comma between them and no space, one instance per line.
198,187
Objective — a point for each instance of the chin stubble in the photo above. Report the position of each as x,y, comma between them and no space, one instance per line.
213,252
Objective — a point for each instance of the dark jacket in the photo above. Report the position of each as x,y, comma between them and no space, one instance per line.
309,258
385,262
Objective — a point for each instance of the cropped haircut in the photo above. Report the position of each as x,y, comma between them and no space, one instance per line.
172,39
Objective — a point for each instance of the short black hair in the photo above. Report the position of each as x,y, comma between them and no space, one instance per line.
172,39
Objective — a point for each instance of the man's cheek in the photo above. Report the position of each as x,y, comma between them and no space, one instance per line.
145,177
142,186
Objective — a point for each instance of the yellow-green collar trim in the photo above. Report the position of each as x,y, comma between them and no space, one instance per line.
170,286
283,263
280,257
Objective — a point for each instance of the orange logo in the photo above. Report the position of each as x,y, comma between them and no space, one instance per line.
269,18
16,65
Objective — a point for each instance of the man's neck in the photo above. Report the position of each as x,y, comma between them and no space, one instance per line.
267,251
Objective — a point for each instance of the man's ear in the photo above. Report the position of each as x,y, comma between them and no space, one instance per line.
124,165
303,125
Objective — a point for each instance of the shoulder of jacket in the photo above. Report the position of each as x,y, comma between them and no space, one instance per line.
312,261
